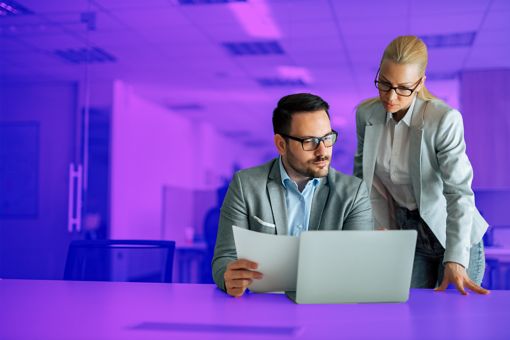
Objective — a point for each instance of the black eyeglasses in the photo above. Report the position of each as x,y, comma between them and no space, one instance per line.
312,143
399,90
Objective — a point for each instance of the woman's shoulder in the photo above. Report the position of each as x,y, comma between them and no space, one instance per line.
438,106
368,105
437,111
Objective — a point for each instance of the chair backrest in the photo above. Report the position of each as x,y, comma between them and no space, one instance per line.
120,260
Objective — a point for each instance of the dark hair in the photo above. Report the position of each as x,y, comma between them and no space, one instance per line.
294,103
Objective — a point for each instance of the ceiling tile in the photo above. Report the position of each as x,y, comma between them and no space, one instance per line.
361,31
497,20
9,45
491,38
151,17
210,14
497,5
447,59
48,6
445,23
450,7
131,4
373,9
174,35
288,12
498,57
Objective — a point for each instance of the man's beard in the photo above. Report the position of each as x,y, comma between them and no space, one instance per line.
307,170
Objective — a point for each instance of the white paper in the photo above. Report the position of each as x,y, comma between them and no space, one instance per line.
277,258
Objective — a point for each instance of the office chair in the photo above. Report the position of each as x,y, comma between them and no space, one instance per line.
120,260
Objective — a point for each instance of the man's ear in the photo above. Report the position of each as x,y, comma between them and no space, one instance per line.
280,143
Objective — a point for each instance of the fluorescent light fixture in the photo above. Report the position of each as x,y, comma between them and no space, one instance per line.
85,55
256,19
89,19
252,48
207,2
465,39
294,72
10,8
185,107
281,82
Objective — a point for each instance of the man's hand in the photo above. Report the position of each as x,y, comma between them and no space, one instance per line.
456,274
239,275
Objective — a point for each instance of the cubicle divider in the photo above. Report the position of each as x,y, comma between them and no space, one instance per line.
494,205
183,214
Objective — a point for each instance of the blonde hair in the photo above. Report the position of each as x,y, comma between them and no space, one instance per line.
407,49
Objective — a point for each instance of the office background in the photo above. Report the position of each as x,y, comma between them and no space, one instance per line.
124,119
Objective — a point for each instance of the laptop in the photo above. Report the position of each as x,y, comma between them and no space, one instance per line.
354,266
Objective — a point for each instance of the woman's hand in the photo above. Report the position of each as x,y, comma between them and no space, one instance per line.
456,274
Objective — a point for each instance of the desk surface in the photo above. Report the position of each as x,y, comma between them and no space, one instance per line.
32,309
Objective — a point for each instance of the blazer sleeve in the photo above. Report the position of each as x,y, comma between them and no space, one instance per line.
360,214
457,175
360,133
233,212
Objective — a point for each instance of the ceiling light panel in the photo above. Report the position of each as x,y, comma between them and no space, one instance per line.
253,48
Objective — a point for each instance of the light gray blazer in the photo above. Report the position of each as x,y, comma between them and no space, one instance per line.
440,171
256,200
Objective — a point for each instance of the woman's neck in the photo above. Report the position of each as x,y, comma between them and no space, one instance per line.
397,116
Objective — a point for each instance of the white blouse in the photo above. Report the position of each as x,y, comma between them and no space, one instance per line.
392,163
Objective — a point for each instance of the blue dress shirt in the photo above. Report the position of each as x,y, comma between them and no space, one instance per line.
298,203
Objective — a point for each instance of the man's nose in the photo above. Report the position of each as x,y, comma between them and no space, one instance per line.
321,149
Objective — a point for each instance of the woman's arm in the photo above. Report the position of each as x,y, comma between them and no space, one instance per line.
358,157
457,175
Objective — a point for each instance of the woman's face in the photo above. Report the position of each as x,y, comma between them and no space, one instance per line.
402,76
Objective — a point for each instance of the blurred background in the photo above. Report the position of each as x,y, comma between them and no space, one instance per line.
125,119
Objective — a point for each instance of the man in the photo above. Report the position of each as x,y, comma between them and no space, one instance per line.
288,195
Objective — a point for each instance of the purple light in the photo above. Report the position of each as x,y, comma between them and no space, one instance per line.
256,19
11,8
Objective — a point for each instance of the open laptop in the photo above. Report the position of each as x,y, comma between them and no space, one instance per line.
354,266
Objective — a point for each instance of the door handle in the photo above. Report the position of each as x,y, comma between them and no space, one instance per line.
74,207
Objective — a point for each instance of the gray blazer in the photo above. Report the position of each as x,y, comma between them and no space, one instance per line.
440,171
256,200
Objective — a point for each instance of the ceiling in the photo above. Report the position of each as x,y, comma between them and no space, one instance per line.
185,54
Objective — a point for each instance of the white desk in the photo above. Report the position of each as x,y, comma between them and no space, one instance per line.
33,309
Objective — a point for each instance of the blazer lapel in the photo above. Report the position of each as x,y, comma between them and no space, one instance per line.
373,133
415,142
277,199
318,203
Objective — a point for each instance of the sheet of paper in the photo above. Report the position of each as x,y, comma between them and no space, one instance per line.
276,256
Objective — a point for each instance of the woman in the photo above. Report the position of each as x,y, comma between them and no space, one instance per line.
411,153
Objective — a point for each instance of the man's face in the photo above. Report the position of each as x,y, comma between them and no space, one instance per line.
307,163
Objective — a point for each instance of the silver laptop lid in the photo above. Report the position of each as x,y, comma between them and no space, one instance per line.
355,266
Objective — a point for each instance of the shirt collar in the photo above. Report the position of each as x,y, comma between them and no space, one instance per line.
286,178
407,117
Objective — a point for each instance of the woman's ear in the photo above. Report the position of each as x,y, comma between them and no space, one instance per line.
280,144
422,83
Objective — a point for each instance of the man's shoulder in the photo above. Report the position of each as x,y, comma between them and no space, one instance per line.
258,171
